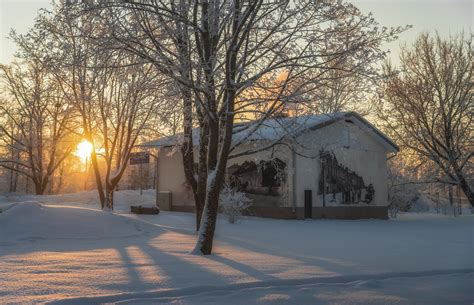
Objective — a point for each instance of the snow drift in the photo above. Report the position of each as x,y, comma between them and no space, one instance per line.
32,221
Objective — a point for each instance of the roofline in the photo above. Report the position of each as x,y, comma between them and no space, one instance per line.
360,118
319,126
374,129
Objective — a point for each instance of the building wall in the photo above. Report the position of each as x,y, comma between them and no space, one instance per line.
171,177
353,148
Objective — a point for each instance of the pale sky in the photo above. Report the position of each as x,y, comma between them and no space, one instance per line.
445,16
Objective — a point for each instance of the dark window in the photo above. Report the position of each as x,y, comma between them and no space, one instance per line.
272,172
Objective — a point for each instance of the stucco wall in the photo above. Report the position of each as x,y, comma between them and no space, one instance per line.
353,148
171,174
171,177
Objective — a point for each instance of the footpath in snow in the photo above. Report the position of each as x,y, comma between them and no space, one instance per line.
64,249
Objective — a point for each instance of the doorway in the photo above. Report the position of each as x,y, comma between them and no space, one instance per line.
308,203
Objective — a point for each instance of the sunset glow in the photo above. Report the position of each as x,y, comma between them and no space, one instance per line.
83,150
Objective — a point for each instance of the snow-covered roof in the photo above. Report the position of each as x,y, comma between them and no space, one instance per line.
278,128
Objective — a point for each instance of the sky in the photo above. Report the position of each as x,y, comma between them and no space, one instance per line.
445,16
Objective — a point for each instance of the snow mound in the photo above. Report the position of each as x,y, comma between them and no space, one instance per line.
21,207
88,199
31,221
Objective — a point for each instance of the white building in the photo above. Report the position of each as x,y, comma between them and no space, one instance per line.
323,166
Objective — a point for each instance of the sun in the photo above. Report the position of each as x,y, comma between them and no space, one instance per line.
83,150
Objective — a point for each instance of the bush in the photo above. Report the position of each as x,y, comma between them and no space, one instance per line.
422,204
233,203
402,199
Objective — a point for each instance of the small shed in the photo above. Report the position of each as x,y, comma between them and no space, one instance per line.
312,166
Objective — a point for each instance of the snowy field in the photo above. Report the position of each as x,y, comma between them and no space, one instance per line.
63,249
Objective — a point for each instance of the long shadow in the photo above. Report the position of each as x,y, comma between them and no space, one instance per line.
181,270
246,269
173,271
325,264
131,267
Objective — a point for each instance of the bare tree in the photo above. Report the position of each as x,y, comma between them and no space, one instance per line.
341,91
123,114
165,41
114,93
345,86
35,121
9,152
427,105
75,68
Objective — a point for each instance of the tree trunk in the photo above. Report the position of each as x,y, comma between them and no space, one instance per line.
109,197
451,200
464,185
209,226
209,216
450,195
13,181
187,152
60,182
98,180
199,209
40,187
200,194
217,164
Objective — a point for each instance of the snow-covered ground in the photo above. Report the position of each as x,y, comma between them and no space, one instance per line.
64,249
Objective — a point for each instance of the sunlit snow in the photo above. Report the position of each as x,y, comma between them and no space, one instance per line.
57,247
